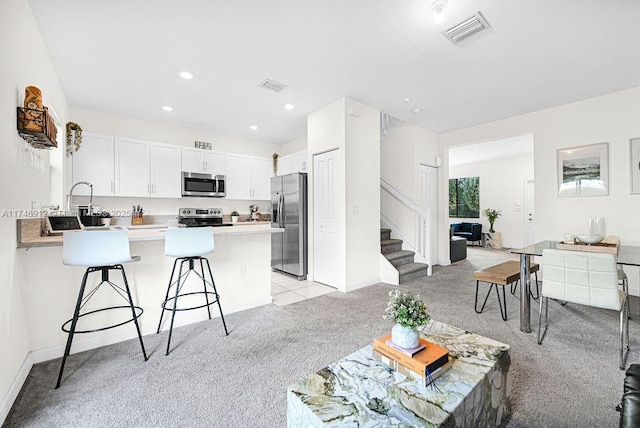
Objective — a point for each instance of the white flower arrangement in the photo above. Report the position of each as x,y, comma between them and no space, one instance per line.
406,309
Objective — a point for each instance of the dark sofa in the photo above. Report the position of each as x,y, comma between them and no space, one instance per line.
630,406
472,232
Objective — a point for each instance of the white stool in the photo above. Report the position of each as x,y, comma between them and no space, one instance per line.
189,245
99,251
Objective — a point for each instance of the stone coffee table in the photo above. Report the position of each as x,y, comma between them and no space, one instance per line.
359,391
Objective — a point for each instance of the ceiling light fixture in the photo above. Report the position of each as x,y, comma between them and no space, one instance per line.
289,106
186,75
253,127
438,7
167,108
416,111
406,100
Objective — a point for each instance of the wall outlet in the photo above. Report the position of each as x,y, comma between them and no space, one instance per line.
242,271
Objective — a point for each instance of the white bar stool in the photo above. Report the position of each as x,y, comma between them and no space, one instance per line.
189,245
99,251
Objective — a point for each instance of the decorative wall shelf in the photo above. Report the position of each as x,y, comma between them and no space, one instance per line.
36,127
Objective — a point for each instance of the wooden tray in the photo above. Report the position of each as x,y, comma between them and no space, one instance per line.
610,245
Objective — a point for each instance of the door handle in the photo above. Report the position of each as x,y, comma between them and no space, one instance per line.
280,207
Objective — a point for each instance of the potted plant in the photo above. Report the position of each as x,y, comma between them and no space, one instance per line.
234,216
492,215
408,312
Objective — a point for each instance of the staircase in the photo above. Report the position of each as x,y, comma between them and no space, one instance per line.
401,259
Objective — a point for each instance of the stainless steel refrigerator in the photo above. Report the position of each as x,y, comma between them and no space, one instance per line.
289,211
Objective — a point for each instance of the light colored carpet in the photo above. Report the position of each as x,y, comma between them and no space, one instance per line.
209,380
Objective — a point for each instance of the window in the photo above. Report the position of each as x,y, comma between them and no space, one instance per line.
464,197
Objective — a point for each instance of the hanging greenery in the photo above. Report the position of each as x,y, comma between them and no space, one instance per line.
275,164
74,137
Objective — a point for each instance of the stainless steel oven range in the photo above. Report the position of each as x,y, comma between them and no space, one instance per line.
201,217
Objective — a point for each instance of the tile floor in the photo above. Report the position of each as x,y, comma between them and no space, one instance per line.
286,289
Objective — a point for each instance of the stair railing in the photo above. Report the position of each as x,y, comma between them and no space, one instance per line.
420,240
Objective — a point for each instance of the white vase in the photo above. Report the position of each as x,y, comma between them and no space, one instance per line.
405,337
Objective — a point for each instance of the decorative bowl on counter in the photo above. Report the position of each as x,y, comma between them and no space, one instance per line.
590,239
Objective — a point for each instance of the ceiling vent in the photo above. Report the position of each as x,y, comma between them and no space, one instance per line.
272,85
467,28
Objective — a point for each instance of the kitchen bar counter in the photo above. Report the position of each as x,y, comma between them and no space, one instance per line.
241,266
29,232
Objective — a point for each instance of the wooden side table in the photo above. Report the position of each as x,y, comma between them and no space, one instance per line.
492,240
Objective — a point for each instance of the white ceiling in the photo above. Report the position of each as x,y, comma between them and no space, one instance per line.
123,57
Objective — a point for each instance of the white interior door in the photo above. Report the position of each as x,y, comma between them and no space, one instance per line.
529,213
429,202
326,263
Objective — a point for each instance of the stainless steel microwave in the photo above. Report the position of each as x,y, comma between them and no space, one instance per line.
205,185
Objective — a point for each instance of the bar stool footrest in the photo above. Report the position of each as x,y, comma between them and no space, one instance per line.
138,309
211,293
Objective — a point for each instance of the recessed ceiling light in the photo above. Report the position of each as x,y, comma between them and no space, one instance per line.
406,100
167,108
253,127
186,75
289,106
416,110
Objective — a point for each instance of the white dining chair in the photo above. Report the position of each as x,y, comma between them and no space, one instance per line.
584,278
100,252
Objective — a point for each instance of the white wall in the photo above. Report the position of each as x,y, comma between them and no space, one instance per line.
505,195
25,62
610,118
362,199
354,129
401,156
120,126
296,145
326,131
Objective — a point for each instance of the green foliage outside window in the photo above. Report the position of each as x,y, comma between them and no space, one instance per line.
464,197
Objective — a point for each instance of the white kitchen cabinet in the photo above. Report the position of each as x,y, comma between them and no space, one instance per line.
94,163
261,172
248,177
132,167
203,161
144,169
295,162
165,168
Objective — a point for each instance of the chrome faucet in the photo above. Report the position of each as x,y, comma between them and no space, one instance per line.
71,194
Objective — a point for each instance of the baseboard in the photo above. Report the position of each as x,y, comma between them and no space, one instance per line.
80,345
352,287
16,386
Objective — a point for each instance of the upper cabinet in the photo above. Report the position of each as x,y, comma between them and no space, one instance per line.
165,167
295,162
203,161
144,168
132,167
248,177
94,163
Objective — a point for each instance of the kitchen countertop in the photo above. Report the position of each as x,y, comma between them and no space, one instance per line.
29,232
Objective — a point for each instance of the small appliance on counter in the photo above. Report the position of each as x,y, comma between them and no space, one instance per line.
254,214
201,217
